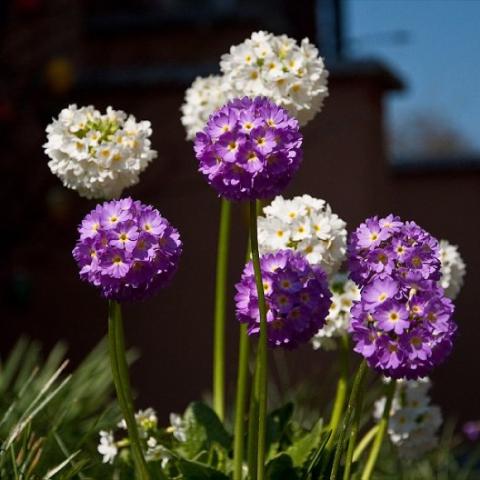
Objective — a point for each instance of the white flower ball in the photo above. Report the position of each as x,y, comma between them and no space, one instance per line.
204,96
292,75
96,154
453,269
344,293
307,225
414,422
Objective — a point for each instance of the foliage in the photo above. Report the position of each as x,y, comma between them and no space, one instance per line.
49,419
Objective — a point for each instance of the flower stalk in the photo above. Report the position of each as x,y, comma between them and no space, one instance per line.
121,380
351,406
252,437
341,394
240,403
220,310
353,433
260,385
382,429
364,443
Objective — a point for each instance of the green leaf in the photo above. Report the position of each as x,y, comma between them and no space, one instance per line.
280,468
192,470
317,456
203,429
302,449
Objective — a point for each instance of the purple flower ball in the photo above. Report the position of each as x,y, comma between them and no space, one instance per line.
127,250
402,331
296,294
249,149
389,246
471,430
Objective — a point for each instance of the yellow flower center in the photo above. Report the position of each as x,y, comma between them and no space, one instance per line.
416,262
277,324
282,300
416,341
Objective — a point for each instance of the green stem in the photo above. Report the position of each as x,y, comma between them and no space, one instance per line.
241,397
364,443
260,386
341,394
220,310
122,385
252,439
382,428
352,404
353,434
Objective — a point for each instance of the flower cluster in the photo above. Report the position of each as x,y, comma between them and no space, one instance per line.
150,436
98,154
402,331
453,269
388,246
307,225
414,422
147,421
471,430
403,322
344,293
249,149
127,249
205,95
107,446
296,294
292,75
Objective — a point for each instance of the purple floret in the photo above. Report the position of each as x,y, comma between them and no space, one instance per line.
250,149
296,294
471,430
402,331
127,250
390,247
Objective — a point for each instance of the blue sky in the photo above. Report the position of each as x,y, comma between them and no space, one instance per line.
440,61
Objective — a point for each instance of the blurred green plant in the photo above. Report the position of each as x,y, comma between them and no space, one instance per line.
50,421
198,446
50,417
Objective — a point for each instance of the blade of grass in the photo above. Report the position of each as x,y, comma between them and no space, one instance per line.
61,466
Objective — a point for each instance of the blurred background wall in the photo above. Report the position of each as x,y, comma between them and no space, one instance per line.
140,56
